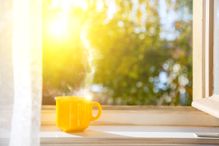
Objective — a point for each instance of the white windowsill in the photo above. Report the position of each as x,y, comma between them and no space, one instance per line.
130,135
135,125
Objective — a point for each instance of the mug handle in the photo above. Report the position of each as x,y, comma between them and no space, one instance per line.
96,104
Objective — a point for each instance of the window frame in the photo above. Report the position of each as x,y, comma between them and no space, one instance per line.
203,35
204,97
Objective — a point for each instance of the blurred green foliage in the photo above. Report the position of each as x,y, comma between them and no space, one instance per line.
142,52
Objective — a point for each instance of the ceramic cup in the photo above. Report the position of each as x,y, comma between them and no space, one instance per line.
74,113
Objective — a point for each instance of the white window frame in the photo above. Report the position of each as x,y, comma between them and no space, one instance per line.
204,97
203,67
203,36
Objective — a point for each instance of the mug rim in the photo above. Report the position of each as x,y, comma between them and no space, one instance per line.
70,98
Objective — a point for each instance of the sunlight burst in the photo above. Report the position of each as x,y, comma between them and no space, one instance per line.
58,27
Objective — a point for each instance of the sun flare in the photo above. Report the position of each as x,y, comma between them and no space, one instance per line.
58,27
61,21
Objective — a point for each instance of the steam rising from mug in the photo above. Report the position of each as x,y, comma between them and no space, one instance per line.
89,51
90,67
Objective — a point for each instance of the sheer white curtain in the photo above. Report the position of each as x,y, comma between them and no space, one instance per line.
20,72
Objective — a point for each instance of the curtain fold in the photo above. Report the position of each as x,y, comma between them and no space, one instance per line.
20,72
6,68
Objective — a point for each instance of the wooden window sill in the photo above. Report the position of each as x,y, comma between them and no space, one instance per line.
135,125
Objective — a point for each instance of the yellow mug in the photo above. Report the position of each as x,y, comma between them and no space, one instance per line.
74,113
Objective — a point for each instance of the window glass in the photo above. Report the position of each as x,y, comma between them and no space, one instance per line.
120,52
